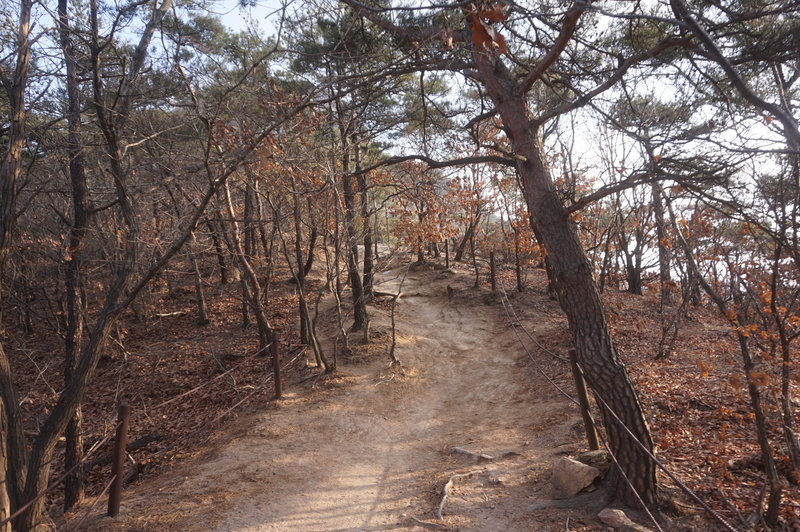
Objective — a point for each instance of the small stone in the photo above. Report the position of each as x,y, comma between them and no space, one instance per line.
569,477
497,480
617,519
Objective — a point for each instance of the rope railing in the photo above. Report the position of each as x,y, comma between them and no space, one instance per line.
226,412
100,443
94,504
508,307
209,382
92,450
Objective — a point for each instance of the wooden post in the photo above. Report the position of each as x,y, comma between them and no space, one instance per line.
276,364
583,399
446,254
494,272
118,465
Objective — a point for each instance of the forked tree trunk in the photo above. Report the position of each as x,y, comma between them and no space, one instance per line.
462,247
251,287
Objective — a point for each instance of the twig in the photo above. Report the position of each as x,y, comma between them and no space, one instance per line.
41,373
377,293
448,486
170,314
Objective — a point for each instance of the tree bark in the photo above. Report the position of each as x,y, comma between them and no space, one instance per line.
462,247
202,308
251,286
5,501
73,281
576,291
664,275
360,317
215,240
12,439
365,221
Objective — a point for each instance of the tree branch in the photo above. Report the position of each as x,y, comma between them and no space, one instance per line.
664,45
564,37
432,163
790,129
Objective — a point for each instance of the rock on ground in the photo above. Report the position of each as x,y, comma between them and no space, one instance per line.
617,519
569,477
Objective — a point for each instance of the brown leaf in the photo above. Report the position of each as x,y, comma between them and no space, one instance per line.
480,35
494,15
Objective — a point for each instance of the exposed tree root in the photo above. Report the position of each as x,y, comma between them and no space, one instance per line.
448,486
428,524
482,456
377,293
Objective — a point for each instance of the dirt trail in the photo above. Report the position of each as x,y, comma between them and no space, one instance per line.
371,448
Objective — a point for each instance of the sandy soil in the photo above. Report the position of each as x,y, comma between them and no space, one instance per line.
370,449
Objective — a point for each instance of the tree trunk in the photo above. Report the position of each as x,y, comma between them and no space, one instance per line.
518,262
299,269
576,291
360,317
202,308
462,247
251,287
367,226
312,238
245,302
73,282
474,261
664,275
215,240
249,244
5,501
12,439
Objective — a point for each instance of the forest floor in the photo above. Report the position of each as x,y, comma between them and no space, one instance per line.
370,447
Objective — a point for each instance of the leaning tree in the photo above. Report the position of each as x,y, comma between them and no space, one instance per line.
530,66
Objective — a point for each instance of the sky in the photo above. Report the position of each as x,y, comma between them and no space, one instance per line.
262,12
